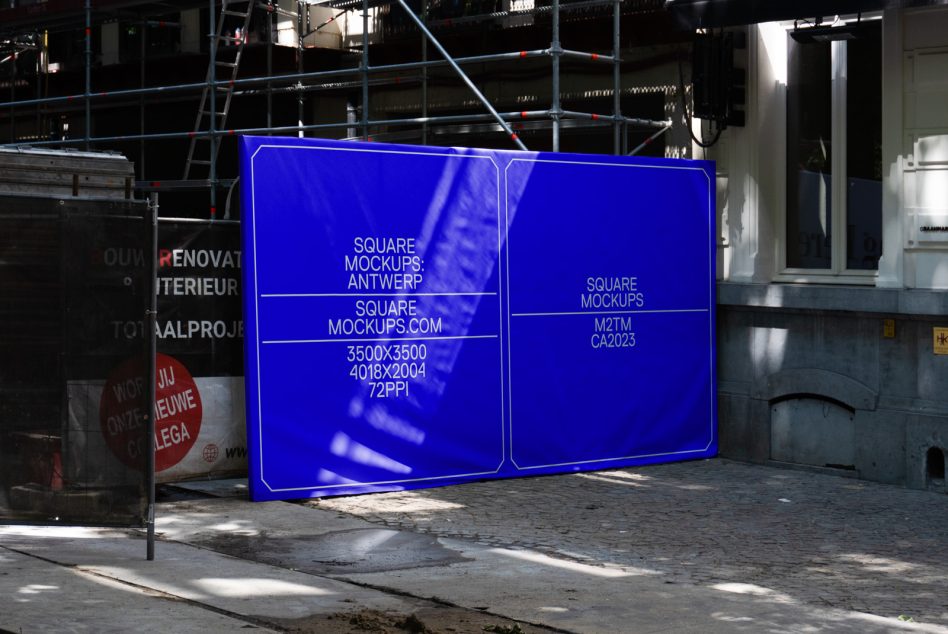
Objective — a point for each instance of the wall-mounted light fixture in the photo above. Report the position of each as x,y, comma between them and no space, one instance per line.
830,33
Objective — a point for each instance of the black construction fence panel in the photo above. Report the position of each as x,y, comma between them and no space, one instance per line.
199,400
61,462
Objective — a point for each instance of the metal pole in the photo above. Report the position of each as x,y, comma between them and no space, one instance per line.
467,80
365,70
645,123
46,76
141,105
37,130
424,75
415,121
64,367
555,51
270,18
151,317
352,117
88,71
495,15
300,7
13,97
649,140
616,87
291,77
212,94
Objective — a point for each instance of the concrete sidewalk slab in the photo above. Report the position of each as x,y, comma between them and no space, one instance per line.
234,586
41,596
219,593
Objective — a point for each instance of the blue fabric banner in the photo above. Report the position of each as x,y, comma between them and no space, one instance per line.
420,316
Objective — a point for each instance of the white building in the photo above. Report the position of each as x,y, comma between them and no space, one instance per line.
833,251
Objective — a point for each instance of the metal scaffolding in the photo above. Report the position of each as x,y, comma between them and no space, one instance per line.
364,75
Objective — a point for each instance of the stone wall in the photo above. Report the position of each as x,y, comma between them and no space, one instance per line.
809,376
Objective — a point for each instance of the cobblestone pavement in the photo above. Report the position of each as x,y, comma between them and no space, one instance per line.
814,538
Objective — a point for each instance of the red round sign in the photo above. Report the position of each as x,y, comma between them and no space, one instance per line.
178,412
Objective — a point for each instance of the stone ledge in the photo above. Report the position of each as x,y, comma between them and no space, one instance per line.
853,299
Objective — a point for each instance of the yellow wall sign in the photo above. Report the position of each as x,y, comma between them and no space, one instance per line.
941,340
888,328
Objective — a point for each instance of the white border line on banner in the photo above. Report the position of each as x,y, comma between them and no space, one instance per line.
510,313
257,297
380,339
269,295
611,312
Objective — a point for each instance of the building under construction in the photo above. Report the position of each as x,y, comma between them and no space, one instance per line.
169,85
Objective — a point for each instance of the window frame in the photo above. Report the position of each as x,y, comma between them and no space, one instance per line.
837,273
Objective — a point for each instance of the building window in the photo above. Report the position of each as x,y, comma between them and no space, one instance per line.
834,155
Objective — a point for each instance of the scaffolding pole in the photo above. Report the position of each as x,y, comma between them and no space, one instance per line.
13,96
649,140
424,74
414,121
292,77
88,130
555,51
616,79
271,27
331,86
467,80
300,8
39,115
212,106
365,70
141,106
641,123
496,15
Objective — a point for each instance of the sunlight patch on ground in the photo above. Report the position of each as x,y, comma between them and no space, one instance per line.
402,502
417,503
36,588
246,588
627,475
68,532
903,570
175,526
572,566
610,480
236,528
730,618
754,590
879,564
203,588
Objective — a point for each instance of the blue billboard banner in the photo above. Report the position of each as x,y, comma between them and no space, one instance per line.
420,316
